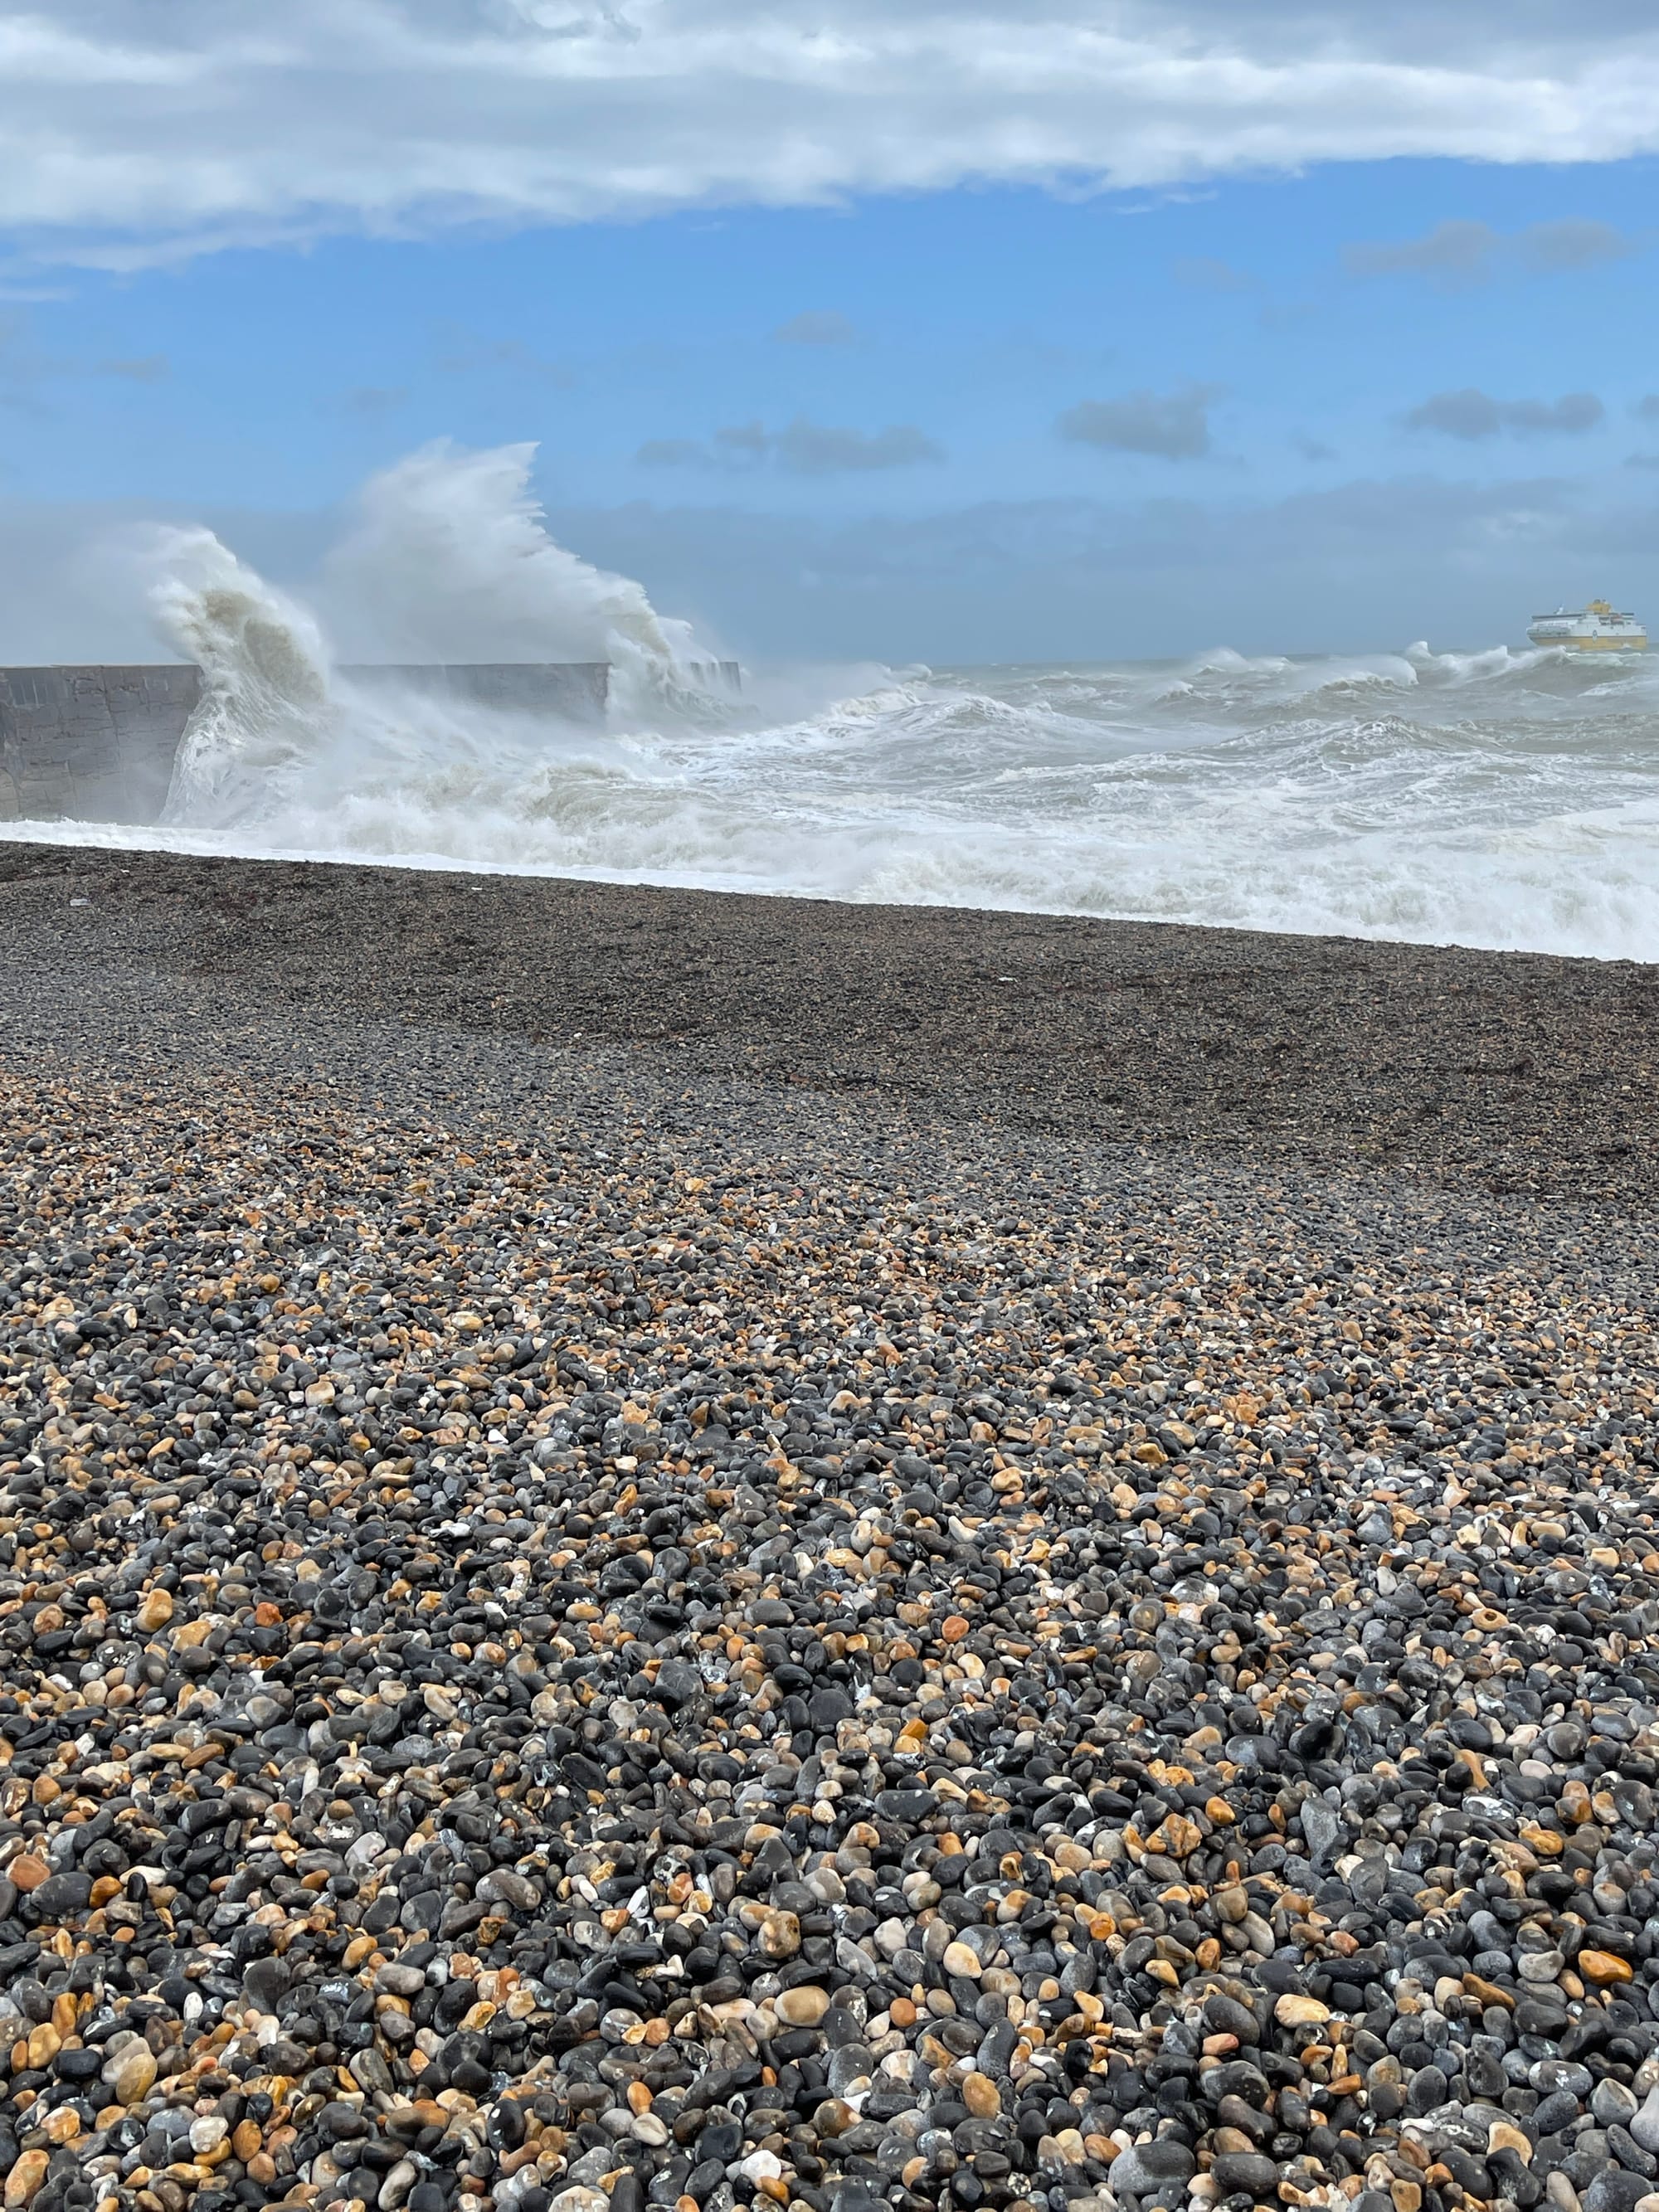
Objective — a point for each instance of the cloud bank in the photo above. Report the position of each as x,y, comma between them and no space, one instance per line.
135,134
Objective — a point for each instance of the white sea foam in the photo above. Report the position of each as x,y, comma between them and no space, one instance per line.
1501,797
449,558
264,678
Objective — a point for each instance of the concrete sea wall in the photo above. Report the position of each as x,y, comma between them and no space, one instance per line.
97,743
92,742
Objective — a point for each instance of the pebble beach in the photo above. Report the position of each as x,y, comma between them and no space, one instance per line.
659,1550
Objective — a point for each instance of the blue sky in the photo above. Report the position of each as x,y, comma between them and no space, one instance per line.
1436,362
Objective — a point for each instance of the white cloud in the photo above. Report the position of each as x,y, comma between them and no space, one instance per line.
135,135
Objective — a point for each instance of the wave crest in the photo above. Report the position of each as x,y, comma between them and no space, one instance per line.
1500,798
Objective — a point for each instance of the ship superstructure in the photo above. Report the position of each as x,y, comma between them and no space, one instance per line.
1598,628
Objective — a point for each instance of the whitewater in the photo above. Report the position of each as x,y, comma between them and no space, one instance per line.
1505,799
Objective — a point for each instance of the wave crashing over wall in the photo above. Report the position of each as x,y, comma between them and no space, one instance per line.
1507,798
448,559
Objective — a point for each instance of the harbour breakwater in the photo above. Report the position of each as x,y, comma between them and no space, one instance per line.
99,743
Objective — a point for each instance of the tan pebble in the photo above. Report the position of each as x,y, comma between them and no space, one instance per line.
1231,2139
25,2177
28,1872
131,2073
1603,1967
1502,2136
981,2096
245,2140
804,2007
1292,2011
959,1959
44,2044
1487,1993
780,1935
1176,1835
157,1609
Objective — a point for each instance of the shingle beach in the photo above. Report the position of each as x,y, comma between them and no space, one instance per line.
668,1550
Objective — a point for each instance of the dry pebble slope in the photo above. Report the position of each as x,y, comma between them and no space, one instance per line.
1494,1071
596,1674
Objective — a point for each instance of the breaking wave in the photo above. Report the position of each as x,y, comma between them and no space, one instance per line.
448,559
265,676
1502,797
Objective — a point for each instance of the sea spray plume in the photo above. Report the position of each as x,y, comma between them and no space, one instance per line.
449,559
265,676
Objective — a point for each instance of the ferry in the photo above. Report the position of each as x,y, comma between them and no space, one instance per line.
1595,628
